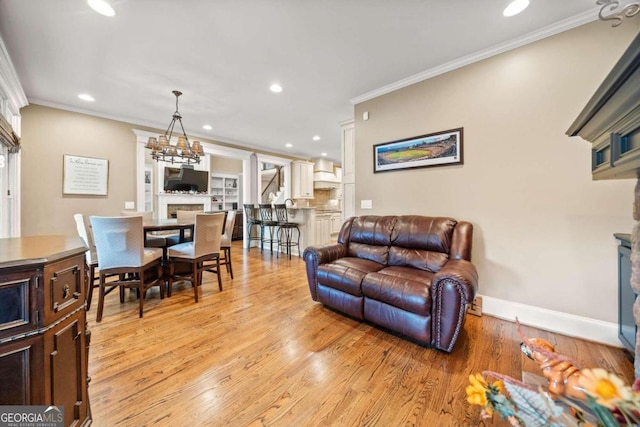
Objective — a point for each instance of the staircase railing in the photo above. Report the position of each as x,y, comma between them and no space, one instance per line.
273,186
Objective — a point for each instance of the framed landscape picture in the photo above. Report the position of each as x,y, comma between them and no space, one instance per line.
434,149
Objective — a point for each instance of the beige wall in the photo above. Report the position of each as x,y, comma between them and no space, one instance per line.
48,134
225,165
543,229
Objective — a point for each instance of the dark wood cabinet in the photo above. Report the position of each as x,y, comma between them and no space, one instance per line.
238,226
611,120
43,331
626,295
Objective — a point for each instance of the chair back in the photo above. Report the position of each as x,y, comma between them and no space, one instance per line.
207,234
187,215
281,213
86,234
266,212
228,227
147,215
250,213
119,241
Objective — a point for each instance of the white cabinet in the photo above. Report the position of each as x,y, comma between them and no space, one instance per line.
224,192
335,223
323,230
302,174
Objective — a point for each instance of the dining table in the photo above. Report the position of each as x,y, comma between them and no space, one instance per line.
170,224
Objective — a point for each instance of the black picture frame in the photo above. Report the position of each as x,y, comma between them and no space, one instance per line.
434,149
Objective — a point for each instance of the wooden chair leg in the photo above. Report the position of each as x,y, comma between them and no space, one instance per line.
218,273
142,292
92,272
195,280
160,279
100,298
228,259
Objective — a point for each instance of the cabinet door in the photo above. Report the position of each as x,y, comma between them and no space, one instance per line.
336,224
66,367
21,372
302,180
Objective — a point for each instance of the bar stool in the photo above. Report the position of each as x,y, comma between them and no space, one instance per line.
269,221
252,221
286,230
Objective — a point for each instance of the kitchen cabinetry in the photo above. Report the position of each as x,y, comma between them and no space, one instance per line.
302,174
323,229
44,340
335,223
224,192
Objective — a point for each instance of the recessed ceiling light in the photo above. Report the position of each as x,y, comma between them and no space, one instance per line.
102,7
86,97
207,127
288,145
515,7
316,138
275,88
323,154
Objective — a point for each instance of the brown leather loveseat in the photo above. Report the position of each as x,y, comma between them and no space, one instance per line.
410,274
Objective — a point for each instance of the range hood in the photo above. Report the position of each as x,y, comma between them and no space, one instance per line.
323,176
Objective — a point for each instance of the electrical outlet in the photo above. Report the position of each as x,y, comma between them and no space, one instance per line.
476,307
129,205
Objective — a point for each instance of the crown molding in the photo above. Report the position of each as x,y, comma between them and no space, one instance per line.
10,83
209,139
548,31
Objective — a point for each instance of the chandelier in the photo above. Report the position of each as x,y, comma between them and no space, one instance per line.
183,152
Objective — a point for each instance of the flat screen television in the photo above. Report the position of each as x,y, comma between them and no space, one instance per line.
183,179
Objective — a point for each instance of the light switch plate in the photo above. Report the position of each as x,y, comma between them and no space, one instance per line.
366,204
129,205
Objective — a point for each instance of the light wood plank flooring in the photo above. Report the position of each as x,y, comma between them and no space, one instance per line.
262,353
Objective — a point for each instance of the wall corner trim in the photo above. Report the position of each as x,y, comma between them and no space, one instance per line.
554,321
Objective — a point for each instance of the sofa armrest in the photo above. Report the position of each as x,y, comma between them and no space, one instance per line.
452,288
316,255
461,272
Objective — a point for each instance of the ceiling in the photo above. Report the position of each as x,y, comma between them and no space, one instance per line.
224,54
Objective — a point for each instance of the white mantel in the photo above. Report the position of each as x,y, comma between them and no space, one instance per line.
165,199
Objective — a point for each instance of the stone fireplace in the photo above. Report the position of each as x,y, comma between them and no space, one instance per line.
168,203
173,208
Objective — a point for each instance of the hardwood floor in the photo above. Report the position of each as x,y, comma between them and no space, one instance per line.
262,353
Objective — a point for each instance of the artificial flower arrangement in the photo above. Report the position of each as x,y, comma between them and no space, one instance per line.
574,397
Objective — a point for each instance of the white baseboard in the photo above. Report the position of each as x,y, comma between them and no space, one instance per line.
554,321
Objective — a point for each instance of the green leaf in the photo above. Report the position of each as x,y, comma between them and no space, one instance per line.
603,414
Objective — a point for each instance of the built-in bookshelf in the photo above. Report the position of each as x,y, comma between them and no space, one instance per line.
225,190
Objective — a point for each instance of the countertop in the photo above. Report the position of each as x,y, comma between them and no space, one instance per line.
38,249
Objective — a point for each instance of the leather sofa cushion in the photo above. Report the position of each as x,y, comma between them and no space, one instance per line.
370,238
346,274
402,287
421,242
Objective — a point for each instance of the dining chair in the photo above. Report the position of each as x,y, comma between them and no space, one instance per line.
185,216
91,257
225,243
197,254
152,240
270,223
120,248
252,221
286,230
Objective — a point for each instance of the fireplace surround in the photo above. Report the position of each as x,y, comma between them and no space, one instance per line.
611,122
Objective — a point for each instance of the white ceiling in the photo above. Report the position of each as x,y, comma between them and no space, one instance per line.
224,54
